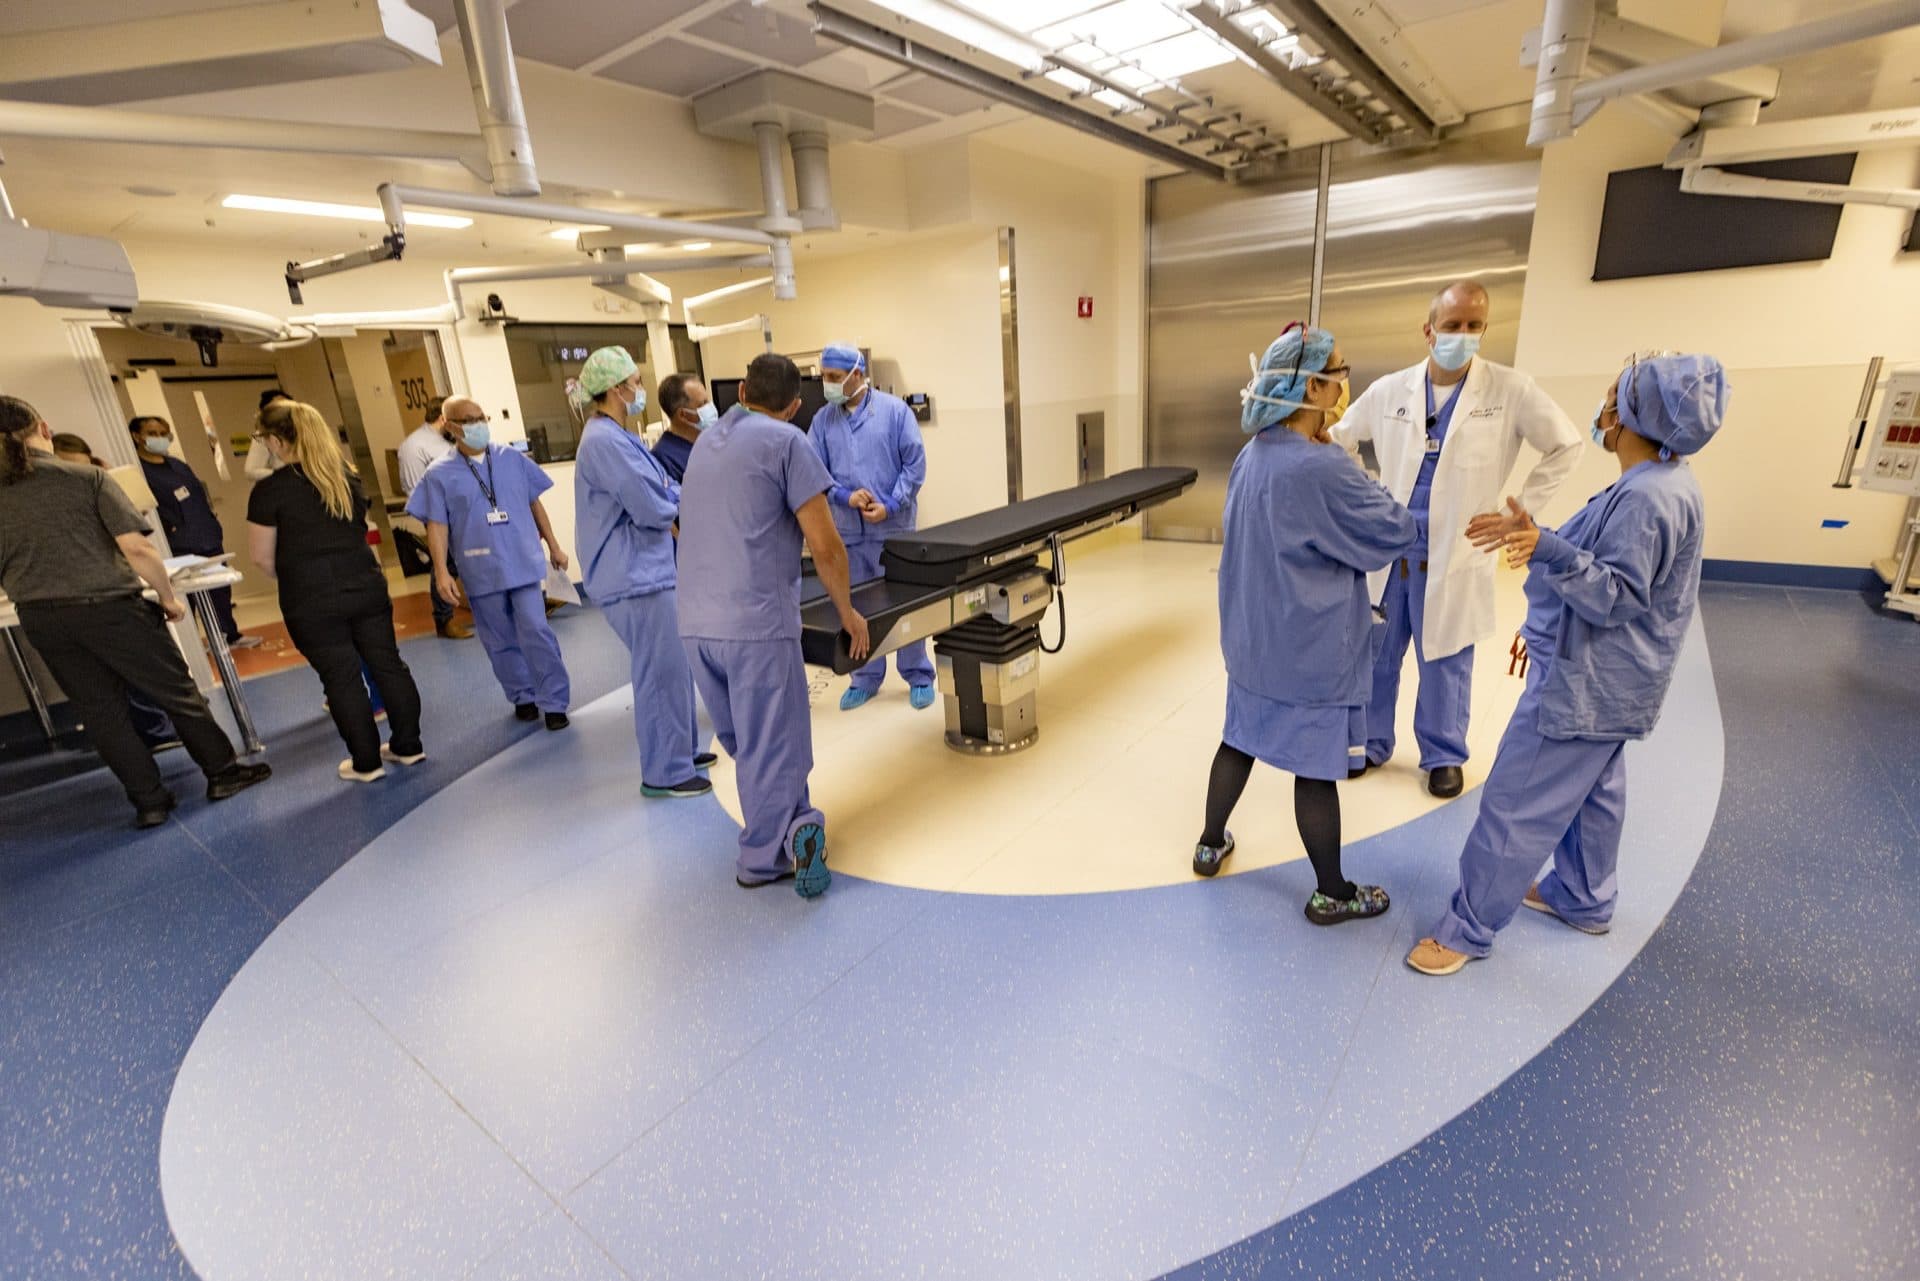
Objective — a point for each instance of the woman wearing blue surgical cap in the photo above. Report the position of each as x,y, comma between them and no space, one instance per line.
1610,595
1304,525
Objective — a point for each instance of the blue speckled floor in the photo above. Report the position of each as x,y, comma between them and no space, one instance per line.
1744,1096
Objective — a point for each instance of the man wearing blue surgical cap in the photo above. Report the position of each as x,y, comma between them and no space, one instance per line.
1609,597
1303,527
870,443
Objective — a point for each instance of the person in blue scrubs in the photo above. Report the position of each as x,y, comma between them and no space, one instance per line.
625,508
687,407
1610,595
754,489
1304,525
481,507
186,513
871,444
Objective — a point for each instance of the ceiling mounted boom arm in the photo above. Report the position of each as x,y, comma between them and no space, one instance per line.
496,96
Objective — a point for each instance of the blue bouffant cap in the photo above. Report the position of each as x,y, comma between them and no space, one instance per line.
1678,402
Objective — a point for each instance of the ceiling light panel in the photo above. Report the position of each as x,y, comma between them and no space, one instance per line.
1181,56
349,213
1025,15
1117,27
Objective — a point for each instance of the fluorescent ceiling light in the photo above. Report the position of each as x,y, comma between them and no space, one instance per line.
351,213
693,246
1118,101
1181,56
1070,80
562,233
1131,77
1025,16
1118,27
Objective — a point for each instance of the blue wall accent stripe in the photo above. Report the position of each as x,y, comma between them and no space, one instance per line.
1775,574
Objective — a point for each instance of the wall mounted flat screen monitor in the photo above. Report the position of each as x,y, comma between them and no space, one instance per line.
1649,227
813,398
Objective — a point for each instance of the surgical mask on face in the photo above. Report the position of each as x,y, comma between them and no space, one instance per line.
1453,351
475,435
706,416
1339,409
157,444
835,392
638,403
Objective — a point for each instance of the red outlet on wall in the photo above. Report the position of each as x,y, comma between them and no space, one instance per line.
1086,309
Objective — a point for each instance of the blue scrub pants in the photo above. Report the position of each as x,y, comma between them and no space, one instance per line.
512,626
663,715
1567,795
756,692
1445,697
915,667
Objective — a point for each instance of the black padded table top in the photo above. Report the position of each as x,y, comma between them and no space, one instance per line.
950,553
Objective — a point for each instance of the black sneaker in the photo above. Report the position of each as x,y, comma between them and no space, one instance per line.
756,885
236,779
1367,900
1208,858
154,813
705,760
557,720
695,786
526,712
1446,782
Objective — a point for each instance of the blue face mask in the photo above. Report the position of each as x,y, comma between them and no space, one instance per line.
157,444
1453,351
707,415
476,435
638,403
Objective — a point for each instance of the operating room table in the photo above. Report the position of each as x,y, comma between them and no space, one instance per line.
976,587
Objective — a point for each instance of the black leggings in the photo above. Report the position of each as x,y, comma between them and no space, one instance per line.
1316,809
351,628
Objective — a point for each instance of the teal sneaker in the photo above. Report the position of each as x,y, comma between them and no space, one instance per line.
810,874
921,696
855,697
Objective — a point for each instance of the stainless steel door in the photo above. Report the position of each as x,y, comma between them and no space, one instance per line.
1401,226
1228,268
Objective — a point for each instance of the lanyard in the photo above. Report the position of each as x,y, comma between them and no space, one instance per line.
1433,416
486,486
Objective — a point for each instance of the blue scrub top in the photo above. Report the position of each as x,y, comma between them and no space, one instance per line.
491,558
624,509
1304,525
1609,597
739,540
1437,423
672,452
875,447
185,512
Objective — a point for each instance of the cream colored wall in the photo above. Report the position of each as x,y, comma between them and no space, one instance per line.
929,311
1795,339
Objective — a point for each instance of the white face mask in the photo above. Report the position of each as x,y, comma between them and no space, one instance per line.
157,444
706,416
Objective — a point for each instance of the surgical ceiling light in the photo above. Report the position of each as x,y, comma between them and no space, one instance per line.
349,213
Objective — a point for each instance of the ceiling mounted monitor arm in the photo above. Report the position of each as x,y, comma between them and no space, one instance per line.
391,247
1706,64
1700,156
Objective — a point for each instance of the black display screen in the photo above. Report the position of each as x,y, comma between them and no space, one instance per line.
1649,227
813,398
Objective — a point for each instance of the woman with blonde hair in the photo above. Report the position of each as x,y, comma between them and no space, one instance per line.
307,523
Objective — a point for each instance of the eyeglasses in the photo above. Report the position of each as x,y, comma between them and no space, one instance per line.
465,422
1337,372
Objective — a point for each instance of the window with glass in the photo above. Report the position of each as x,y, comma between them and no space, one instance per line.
546,360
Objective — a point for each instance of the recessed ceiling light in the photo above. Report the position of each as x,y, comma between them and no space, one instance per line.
351,213
155,192
572,233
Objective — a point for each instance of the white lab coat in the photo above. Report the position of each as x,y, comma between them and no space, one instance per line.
1498,408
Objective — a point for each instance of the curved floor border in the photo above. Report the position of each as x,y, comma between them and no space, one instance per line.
494,1044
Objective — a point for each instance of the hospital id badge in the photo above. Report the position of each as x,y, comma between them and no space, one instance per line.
1433,446
496,517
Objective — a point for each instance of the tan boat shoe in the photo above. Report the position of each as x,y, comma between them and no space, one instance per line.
1430,956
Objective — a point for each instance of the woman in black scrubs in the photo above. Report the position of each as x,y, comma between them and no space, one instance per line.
307,524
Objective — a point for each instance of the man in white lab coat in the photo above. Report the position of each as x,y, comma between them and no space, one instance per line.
1447,432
